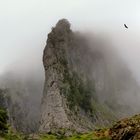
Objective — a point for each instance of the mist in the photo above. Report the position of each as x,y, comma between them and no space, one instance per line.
121,62
24,81
24,78
24,27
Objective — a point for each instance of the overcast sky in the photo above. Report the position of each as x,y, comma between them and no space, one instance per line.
24,25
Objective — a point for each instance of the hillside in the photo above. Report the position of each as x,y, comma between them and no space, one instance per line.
125,129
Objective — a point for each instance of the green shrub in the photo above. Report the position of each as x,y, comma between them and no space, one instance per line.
3,121
11,135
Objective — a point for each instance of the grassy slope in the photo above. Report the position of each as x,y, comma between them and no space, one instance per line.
127,128
89,136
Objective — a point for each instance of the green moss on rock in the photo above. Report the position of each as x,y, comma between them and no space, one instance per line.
77,92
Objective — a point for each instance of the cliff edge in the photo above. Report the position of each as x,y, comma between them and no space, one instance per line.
69,100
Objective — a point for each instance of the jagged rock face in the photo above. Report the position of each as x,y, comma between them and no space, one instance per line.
85,83
53,103
69,98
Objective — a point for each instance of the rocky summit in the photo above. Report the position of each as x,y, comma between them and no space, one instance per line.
84,83
69,100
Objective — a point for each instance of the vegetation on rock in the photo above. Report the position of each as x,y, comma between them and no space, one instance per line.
126,129
3,114
3,121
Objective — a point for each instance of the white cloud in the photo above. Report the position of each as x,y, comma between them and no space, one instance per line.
25,24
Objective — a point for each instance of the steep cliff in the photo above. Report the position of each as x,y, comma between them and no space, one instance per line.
86,83
70,102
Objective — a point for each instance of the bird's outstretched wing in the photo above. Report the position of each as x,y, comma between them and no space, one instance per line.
125,26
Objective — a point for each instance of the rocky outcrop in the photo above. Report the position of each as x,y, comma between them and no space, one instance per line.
69,100
126,129
86,83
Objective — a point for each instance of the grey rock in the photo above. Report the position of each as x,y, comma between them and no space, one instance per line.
86,83
64,60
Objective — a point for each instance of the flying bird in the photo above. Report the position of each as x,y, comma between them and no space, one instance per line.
125,26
